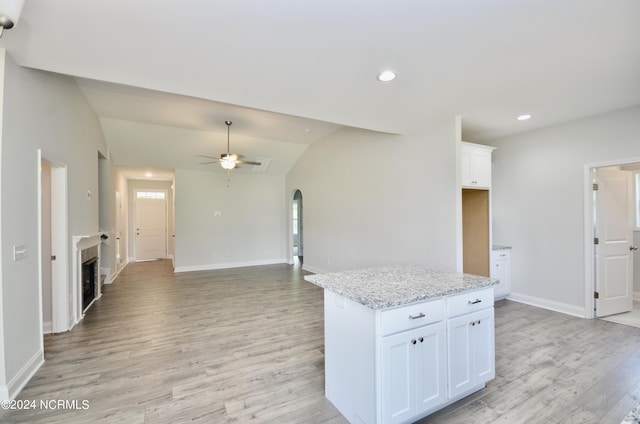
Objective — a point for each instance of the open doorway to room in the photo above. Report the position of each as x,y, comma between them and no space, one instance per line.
296,221
53,246
612,209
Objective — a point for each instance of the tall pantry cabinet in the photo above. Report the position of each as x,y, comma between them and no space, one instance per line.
475,161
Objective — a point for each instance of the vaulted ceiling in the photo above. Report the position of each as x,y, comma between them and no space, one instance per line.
164,75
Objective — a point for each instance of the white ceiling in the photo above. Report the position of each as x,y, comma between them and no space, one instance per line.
163,75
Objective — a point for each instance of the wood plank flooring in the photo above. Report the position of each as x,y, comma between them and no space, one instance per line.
246,345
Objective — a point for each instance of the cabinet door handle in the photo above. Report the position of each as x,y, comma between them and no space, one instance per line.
475,301
420,339
420,315
413,341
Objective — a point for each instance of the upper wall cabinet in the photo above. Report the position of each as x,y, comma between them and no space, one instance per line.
476,165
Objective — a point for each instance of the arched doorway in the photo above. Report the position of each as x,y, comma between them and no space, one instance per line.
296,218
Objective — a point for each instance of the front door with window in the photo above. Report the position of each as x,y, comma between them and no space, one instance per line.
151,225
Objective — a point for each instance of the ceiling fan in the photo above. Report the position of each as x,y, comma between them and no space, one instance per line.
227,160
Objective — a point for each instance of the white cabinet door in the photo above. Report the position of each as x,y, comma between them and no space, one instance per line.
481,168
413,372
501,270
459,354
398,383
430,367
482,347
470,351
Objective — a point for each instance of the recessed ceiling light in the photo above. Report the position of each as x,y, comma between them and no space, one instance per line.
387,76
148,174
523,117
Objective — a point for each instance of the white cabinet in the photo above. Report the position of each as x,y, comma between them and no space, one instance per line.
413,372
470,341
475,163
501,270
470,347
396,365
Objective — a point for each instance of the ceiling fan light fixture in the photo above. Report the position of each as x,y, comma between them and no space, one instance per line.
228,162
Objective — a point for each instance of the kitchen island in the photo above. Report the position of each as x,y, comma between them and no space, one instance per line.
402,342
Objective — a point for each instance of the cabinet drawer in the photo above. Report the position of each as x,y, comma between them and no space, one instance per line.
469,302
501,254
411,316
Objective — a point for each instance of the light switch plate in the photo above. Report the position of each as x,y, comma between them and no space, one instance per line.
19,252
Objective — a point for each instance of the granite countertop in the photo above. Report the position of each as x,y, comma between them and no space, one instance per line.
500,247
386,287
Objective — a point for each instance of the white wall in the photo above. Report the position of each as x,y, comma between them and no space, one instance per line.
46,111
376,199
220,227
538,186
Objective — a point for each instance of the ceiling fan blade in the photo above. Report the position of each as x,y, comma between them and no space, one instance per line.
207,163
248,162
209,157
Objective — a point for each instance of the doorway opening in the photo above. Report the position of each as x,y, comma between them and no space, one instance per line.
55,299
296,220
612,237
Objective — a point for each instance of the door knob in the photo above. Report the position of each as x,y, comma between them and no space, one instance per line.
633,247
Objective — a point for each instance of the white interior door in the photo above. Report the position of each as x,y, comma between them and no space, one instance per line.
614,223
151,228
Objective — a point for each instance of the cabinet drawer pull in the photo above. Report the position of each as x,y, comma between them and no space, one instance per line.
475,301
420,315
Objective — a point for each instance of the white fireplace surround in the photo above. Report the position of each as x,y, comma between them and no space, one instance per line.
81,243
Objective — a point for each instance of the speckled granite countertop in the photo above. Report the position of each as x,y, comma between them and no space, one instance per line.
632,417
386,287
500,247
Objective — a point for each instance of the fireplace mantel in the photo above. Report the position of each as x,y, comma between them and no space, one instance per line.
80,243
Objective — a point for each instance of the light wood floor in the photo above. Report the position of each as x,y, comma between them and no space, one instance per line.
247,345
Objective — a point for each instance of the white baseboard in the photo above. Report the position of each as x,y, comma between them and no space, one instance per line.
313,269
11,390
115,275
552,305
47,327
636,296
208,267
